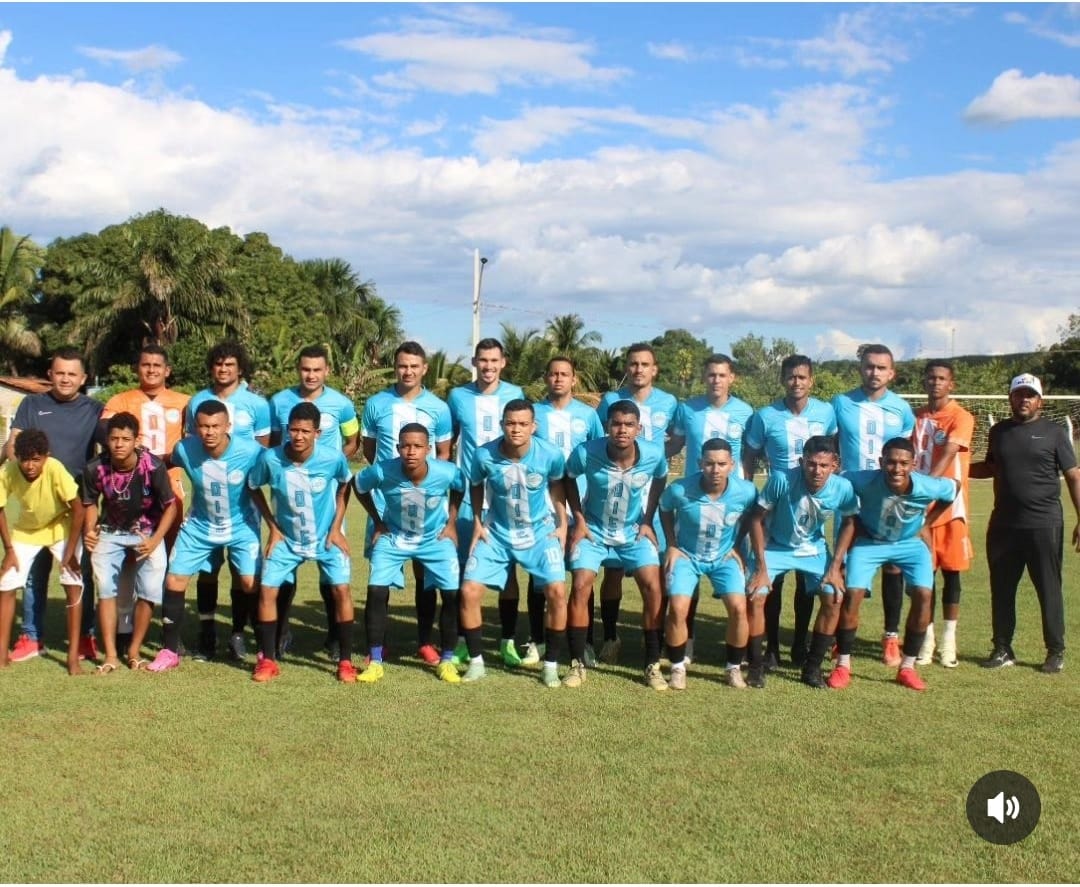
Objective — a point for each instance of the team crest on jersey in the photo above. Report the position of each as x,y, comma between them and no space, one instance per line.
892,419
732,517
318,484
242,419
816,429
172,416
939,436
659,419
533,480
326,421
236,477
639,479
735,429
577,426
433,502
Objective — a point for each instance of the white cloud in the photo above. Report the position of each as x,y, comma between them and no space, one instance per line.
420,128
854,44
673,50
762,218
459,63
1012,97
1069,39
137,61
5,42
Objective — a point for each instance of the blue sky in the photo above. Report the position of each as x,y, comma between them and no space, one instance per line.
830,173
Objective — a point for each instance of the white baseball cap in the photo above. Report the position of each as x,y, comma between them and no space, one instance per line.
1026,380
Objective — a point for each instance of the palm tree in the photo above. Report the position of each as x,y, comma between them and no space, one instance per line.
443,374
526,353
569,338
156,278
20,261
341,296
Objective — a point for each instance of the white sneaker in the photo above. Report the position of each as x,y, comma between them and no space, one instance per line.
926,651
947,652
735,678
533,653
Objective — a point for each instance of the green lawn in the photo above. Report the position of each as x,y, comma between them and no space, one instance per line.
202,775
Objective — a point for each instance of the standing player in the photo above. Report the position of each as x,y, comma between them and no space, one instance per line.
339,430
520,478
222,516
778,432
942,438
50,520
309,484
249,419
138,508
70,422
475,411
702,514
565,422
895,505
657,409
160,412
867,417
717,414
416,522
624,478
797,502
1025,456
407,402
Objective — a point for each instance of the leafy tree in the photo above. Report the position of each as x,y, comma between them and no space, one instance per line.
1061,364
20,263
443,374
680,356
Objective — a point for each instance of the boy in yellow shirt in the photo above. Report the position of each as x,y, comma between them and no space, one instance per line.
50,516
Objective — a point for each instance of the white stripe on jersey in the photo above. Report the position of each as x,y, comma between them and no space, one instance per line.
710,528
411,517
215,488
304,538
871,434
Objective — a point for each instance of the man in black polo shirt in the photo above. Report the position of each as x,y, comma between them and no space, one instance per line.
1025,456
70,420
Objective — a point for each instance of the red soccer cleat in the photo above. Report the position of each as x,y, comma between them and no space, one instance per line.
840,678
88,648
346,672
890,651
908,677
266,670
429,654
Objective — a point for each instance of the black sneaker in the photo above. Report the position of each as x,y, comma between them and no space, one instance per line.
798,655
812,677
1000,658
1054,664
772,661
238,647
755,677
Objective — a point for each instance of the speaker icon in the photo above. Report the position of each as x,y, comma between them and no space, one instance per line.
999,807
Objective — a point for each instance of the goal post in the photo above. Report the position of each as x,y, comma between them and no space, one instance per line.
990,408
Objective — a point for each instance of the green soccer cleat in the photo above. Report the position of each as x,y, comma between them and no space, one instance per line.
461,654
508,652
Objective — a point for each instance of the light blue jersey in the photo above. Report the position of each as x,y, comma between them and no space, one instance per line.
565,428
698,421
220,499
798,517
519,511
476,417
615,498
706,527
415,513
304,494
657,411
386,412
866,425
337,415
249,414
893,517
781,434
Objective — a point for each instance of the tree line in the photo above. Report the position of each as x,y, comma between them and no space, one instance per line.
160,277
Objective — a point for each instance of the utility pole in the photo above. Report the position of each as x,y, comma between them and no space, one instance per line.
478,277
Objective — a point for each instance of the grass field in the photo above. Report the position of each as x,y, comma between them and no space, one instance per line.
202,775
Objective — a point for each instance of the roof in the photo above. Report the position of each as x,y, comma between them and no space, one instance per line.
26,384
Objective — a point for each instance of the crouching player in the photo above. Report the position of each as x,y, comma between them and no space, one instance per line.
702,515
217,464
50,516
787,533
624,477
896,507
523,479
138,509
309,484
420,496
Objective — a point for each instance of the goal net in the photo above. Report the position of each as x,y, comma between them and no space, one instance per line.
990,408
